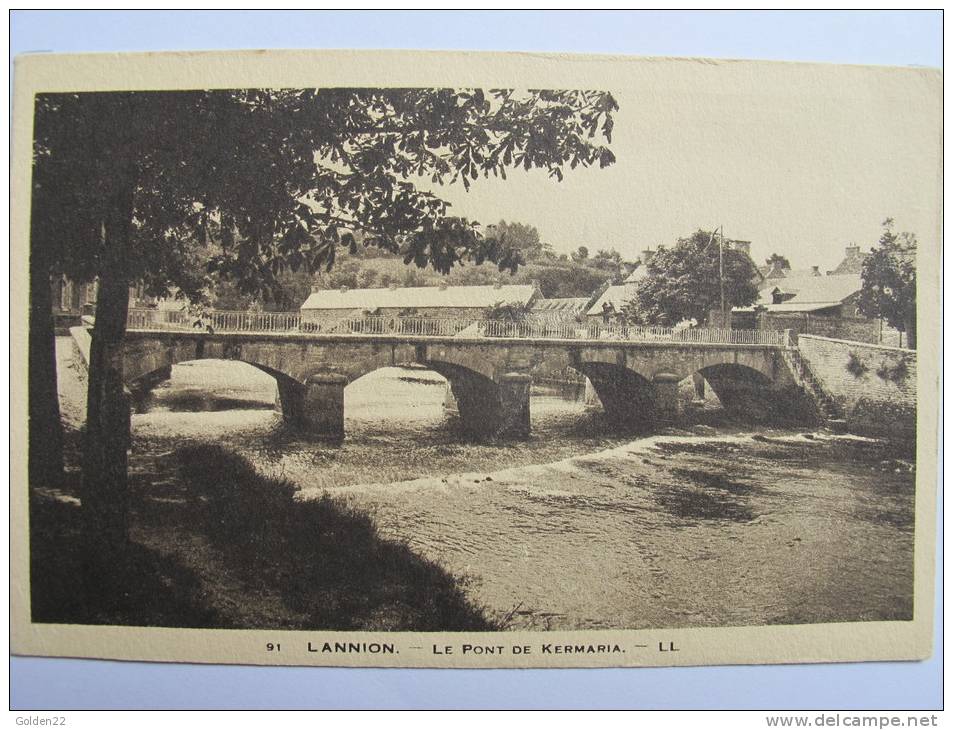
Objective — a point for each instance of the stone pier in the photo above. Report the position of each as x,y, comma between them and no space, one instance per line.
514,405
449,402
494,409
316,406
665,396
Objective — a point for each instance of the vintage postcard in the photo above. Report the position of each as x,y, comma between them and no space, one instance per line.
473,360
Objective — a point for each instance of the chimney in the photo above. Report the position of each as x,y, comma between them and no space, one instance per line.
393,286
815,271
498,285
315,288
443,286
646,255
742,246
344,289
852,250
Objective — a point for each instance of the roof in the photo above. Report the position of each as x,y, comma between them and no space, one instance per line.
421,296
810,292
814,289
637,274
618,296
772,276
567,305
853,262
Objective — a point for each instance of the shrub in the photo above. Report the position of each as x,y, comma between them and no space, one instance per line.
855,367
893,373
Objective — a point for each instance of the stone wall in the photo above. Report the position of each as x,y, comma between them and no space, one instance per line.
82,341
874,386
855,329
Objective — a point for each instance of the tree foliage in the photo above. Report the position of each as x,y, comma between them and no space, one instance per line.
174,189
507,311
778,259
683,282
580,254
889,276
260,181
523,238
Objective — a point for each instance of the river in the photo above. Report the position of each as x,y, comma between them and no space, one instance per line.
579,527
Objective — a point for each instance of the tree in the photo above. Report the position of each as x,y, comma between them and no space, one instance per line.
507,311
580,254
563,279
781,261
520,237
889,276
172,188
683,282
610,261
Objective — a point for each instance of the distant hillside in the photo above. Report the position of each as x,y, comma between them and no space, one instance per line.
369,268
555,278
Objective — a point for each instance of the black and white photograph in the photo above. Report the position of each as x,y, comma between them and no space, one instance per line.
617,358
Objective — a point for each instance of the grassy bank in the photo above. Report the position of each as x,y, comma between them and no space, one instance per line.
218,545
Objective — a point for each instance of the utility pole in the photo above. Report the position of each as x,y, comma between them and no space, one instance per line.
721,276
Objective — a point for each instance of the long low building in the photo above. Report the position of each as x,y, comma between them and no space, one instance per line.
458,302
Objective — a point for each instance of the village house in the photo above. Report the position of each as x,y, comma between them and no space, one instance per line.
852,264
611,301
326,307
71,299
74,299
809,302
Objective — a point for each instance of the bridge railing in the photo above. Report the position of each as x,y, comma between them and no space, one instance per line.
217,321
418,326
292,322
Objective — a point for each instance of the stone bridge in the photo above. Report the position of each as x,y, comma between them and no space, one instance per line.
636,381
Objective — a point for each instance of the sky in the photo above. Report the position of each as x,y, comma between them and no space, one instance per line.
801,160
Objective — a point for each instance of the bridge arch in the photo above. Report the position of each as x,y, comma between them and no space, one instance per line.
488,407
287,388
164,372
628,397
749,392
475,360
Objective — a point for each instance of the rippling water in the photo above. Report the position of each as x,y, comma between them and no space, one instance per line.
580,527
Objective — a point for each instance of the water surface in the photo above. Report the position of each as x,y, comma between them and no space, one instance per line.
581,527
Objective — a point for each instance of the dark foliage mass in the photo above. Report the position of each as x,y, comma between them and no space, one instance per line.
684,282
778,260
178,189
255,182
890,282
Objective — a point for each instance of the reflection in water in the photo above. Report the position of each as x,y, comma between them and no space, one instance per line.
579,527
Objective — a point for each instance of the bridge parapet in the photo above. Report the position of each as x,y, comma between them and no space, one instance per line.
225,322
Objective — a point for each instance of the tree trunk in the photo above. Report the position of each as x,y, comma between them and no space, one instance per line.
105,491
910,327
45,447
